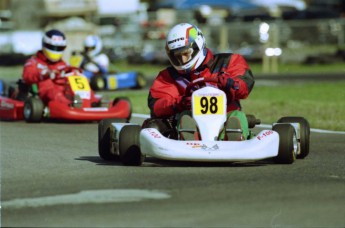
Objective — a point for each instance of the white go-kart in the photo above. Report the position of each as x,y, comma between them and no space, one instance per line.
130,143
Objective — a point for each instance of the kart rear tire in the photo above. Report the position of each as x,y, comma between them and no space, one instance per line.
129,146
140,81
286,152
97,82
104,139
33,110
304,133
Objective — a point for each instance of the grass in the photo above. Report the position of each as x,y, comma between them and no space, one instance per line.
322,103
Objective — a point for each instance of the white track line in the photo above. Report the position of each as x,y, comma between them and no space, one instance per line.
84,197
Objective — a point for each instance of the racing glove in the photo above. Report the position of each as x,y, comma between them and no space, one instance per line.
225,83
184,103
46,73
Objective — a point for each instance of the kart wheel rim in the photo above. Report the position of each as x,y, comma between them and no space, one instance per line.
141,82
100,83
295,144
27,111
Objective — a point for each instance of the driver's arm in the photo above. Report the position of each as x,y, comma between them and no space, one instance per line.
237,81
32,73
164,97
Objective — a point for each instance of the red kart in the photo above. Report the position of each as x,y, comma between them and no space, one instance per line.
86,106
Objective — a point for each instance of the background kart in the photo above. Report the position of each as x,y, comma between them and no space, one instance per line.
111,80
130,143
24,103
10,109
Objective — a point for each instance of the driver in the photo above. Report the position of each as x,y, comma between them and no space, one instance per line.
190,60
45,67
95,61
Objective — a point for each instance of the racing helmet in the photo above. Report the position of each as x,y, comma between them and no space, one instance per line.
53,44
92,45
185,47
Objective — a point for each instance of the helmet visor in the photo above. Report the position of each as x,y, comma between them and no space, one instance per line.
184,55
53,47
89,49
52,55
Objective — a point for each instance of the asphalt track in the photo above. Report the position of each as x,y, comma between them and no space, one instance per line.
52,176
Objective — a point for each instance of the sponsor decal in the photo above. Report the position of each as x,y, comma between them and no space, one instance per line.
153,133
83,94
6,105
101,109
264,135
215,147
173,41
194,144
202,146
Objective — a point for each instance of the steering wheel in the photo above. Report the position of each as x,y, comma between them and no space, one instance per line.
198,81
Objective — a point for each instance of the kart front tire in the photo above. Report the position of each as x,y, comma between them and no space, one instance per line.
33,110
129,146
97,83
286,152
304,133
104,139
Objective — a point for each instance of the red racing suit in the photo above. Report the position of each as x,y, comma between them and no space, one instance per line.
36,71
169,86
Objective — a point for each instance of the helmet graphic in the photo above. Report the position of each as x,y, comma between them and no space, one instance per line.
53,44
92,45
185,47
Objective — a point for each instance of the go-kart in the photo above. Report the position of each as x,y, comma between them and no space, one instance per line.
110,80
130,143
85,105
10,108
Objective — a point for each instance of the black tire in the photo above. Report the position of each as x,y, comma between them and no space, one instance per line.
286,153
129,146
33,110
141,81
104,139
97,82
304,133
252,121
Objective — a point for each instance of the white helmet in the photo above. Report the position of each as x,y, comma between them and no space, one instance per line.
186,38
92,45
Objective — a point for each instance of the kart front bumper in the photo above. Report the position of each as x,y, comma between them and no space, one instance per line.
264,145
57,110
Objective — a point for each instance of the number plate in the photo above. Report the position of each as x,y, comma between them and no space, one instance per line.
208,104
80,85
